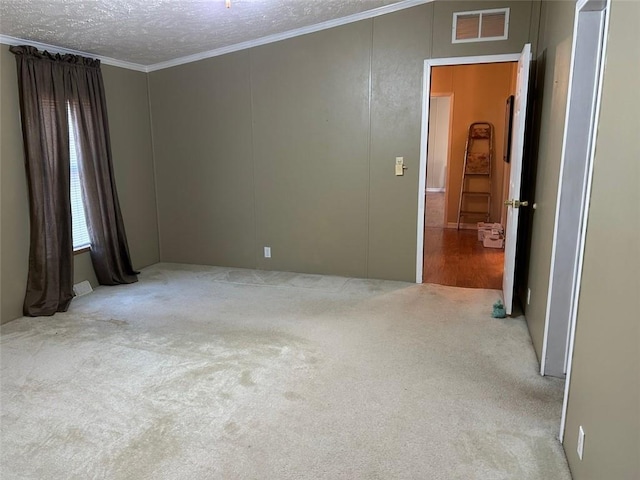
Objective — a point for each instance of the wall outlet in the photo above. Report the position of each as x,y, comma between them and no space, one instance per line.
267,252
580,442
528,296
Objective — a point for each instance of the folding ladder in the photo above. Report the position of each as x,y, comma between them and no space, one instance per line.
476,173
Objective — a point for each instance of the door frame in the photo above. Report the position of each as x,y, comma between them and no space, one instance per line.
424,134
582,7
566,249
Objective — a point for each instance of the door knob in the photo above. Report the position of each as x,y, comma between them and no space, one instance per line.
516,203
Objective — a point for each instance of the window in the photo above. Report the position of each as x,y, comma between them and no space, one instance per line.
480,26
78,219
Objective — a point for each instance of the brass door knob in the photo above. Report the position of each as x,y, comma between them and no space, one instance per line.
516,203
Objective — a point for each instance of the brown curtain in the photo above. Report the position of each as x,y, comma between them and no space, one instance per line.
47,85
46,144
88,107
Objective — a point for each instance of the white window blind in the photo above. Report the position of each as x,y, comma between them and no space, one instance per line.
78,219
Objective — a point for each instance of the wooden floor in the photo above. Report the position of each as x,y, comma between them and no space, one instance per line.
456,257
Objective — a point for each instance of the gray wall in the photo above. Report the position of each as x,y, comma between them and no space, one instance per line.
554,58
127,104
130,128
292,145
204,172
14,209
311,144
604,392
288,145
605,384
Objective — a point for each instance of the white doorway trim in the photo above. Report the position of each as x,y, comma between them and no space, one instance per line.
580,32
422,174
584,75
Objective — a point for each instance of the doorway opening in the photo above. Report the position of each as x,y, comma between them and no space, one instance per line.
440,121
454,251
516,151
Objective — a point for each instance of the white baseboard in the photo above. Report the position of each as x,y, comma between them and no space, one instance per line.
435,190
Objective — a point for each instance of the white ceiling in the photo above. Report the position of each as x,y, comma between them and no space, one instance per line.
150,33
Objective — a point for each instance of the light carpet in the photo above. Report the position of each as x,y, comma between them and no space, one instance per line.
220,373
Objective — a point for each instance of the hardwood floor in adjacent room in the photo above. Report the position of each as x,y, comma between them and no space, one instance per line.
456,257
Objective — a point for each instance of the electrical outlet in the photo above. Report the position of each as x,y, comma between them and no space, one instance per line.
528,296
267,252
580,442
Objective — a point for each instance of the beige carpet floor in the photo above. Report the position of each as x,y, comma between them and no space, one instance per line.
218,373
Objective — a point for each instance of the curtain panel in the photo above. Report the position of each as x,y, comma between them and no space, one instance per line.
48,84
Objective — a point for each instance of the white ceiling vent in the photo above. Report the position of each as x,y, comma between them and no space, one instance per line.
480,26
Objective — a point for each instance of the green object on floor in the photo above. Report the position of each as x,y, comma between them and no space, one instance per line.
498,310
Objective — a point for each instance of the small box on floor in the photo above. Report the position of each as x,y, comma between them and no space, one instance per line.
493,241
485,229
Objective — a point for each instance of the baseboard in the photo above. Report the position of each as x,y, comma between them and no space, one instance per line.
463,226
435,190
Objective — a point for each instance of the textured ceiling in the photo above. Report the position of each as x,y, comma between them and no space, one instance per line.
148,32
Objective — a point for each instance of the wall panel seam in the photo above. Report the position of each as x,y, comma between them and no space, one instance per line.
253,163
368,200
153,165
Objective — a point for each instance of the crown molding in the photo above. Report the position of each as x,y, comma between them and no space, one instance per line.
7,40
376,12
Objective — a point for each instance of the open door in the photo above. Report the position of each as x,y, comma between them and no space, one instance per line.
517,150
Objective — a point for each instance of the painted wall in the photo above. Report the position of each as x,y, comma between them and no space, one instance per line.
311,143
605,385
130,128
292,145
479,94
604,392
127,104
14,210
553,60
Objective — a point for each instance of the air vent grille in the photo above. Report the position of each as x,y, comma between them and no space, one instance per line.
480,26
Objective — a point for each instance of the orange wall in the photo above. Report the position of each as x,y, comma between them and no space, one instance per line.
479,95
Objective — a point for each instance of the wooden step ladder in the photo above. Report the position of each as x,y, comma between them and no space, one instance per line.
476,173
